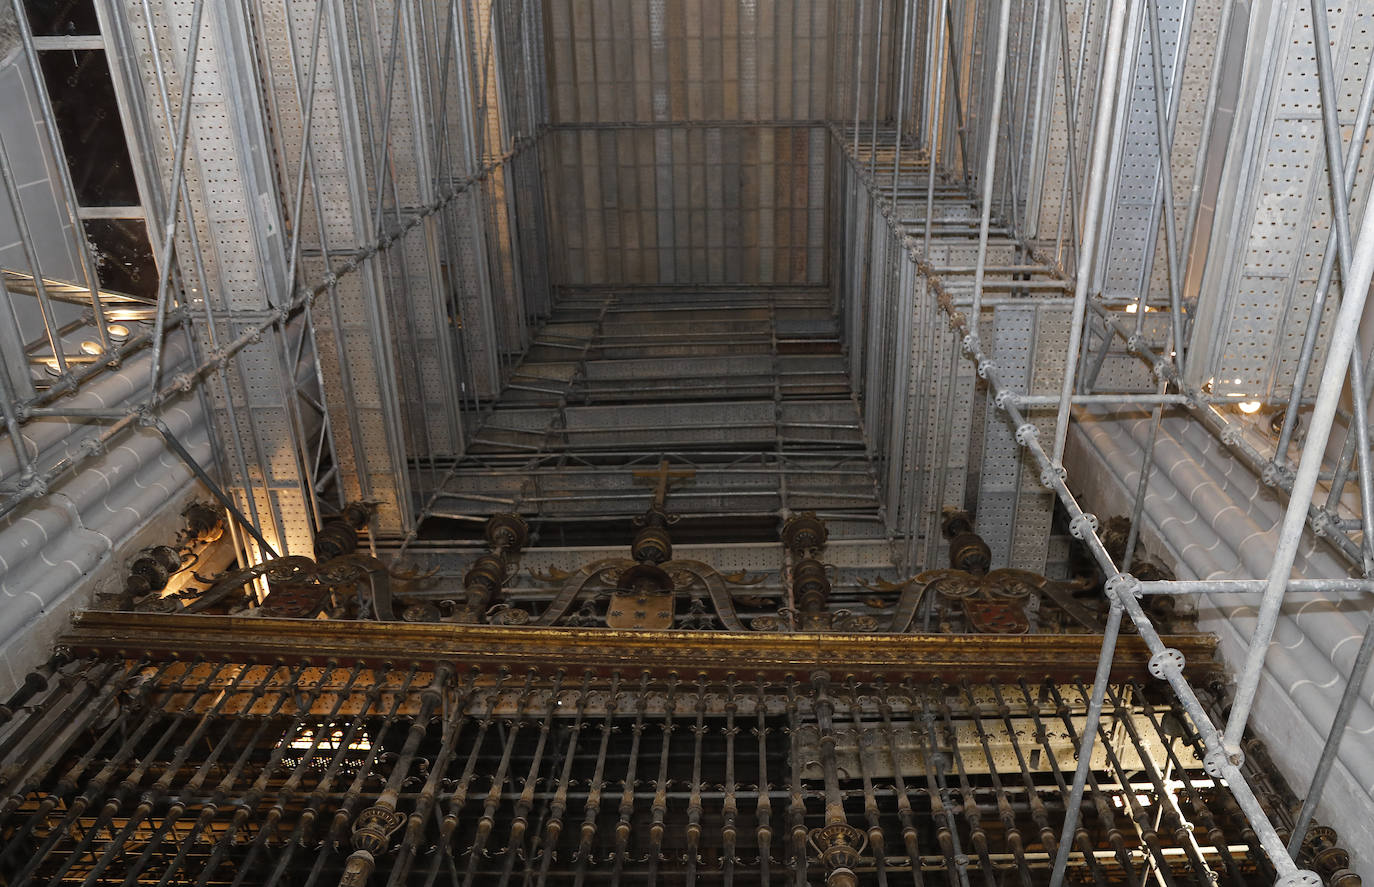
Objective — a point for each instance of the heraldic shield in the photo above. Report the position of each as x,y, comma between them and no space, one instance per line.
640,610
994,616
642,601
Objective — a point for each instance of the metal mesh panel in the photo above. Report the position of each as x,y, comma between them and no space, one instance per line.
713,204
1266,290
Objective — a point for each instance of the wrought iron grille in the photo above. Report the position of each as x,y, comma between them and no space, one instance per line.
220,772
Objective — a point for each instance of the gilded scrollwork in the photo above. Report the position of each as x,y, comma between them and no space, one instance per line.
650,589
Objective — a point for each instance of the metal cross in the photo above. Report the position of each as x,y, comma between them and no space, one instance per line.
665,477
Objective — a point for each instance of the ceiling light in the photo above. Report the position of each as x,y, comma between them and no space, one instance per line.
117,331
94,349
1250,407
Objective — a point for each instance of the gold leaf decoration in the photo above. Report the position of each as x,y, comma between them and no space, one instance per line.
552,576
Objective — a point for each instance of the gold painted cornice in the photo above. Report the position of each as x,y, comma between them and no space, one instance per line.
919,656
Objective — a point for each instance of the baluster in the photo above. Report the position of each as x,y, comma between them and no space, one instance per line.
324,854
1172,817
553,826
796,802
498,780
192,787
208,811
597,783
763,809
627,795
1037,806
134,778
458,796
730,807
1275,797
1104,809
946,830
306,820
70,780
334,843
268,828
862,748
95,788
838,843
248,804
1231,810
39,719
520,820
972,811
1143,821
1080,835
89,672
373,828
438,766
660,806
1196,802
1004,809
75,715
164,782
338,828
904,813
692,857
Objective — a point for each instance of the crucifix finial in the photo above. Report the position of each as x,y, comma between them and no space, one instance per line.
664,478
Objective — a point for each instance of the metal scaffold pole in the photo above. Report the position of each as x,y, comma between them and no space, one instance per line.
1123,589
1340,352
1105,101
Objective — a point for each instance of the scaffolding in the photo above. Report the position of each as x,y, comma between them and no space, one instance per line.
353,241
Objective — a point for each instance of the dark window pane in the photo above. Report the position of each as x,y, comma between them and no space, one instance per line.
123,256
62,18
83,100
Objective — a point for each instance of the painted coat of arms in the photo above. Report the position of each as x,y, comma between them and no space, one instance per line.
643,600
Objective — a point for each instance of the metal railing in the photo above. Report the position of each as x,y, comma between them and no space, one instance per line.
240,773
